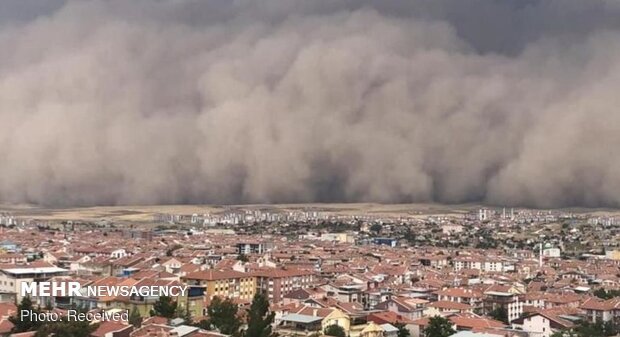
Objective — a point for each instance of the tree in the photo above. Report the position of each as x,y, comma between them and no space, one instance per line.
223,316
611,328
499,314
335,330
204,324
134,318
184,313
170,251
164,307
259,318
376,228
243,258
600,293
439,327
606,294
20,325
598,329
402,329
67,328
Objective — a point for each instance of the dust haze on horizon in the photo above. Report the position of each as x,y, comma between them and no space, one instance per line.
510,102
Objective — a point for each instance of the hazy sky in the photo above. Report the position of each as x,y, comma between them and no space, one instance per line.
143,102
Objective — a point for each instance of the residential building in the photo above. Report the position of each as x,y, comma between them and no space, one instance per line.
277,282
223,283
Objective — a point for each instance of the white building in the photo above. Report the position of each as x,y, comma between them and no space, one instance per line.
551,252
452,229
507,300
542,324
12,279
338,237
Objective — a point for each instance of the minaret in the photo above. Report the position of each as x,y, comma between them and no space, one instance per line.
540,256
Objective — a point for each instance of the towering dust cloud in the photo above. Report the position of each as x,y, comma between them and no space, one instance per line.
137,102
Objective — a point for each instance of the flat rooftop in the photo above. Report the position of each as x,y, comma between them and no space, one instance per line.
39,270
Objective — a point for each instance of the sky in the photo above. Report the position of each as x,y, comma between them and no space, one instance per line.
511,103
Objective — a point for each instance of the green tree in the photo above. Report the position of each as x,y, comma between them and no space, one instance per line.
184,313
376,228
499,314
134,318
439,327
26,324
223,316
600,293
335,330
243,258
588,329
204,324
170,251
606,294
612,327
259,318
402,329
164,307
66,328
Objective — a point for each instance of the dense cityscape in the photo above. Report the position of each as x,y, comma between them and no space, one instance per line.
319,271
